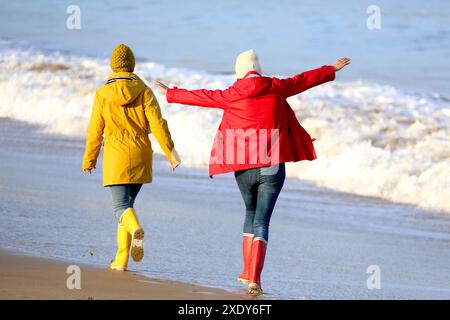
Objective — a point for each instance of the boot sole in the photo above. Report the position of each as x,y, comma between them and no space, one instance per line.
117,268
137,248
254,289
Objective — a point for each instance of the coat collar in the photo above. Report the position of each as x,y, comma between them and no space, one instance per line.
122,74
251,74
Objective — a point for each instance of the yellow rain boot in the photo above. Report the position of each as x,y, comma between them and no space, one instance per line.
131,223
123,247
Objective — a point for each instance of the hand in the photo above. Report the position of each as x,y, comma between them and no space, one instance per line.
162,87
340,63
174,165
174,159
88,171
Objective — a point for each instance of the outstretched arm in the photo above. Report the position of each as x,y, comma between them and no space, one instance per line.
201,97
312,78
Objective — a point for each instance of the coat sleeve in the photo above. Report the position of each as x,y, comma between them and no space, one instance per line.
159,127
306,80
201,98
94,135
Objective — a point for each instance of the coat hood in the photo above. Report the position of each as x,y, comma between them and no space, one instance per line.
122,88
252,87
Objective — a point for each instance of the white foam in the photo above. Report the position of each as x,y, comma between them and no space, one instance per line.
371,140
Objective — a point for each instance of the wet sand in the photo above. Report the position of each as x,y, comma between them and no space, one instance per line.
26,277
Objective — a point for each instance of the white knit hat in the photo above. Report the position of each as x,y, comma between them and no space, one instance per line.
245,62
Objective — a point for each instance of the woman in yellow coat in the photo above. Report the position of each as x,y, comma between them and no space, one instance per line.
124,112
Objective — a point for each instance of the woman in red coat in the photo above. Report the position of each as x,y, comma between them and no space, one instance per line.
257,135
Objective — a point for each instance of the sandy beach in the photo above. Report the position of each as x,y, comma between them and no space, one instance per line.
26,277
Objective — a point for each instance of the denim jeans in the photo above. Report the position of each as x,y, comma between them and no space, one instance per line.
260,188
123,197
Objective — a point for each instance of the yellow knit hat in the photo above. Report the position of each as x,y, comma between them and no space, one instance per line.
122,59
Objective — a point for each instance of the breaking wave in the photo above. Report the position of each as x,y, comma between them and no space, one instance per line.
372,140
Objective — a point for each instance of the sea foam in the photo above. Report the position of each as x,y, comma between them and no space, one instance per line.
372,140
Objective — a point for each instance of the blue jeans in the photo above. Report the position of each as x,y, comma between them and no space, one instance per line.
260,188
123,197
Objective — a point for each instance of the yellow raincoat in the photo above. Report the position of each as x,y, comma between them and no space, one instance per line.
125,111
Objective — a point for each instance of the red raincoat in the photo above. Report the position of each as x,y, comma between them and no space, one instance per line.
258,126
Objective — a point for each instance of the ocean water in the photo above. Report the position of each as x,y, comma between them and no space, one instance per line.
410,51
372,139
382,127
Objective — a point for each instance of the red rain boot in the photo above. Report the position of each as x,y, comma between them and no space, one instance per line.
247,243
257,263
